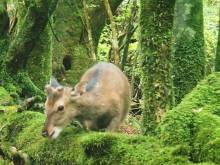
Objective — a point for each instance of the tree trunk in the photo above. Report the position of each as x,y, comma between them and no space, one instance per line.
39,63
33,18
4,19
71,54
188,46
87,23
156,21
28,59
35,22
4,27
217,58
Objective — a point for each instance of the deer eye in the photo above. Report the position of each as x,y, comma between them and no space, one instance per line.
60,108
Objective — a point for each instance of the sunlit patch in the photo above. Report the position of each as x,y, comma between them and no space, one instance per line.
57,131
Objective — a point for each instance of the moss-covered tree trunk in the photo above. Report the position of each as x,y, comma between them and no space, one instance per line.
217,58
33,18
4,19
39,62
156,21
4,27
188,46
71,50
35,21
35,39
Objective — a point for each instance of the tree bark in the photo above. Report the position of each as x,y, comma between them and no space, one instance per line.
33,18
35,22
89,30
217,58
4,27
156,22
188,46
130,29
70,29
4,19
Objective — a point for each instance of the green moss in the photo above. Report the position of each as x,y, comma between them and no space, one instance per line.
156,20
27,85
195,122
188,46
72,36
70,32
4,162
75,146
81,63
176,128
39,63
217,59
206,141
203,163
4,96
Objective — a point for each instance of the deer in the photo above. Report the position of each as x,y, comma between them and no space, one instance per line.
99,101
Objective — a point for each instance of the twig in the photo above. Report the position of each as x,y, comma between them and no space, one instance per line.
53,32
115,47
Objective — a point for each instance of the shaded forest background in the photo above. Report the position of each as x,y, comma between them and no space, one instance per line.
165,48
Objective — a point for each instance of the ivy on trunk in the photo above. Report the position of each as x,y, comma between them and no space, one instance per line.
156,21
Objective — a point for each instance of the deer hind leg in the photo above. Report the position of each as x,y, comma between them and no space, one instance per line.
114,124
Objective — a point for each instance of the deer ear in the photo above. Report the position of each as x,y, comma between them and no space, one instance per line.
75,97
48,89
54,87
54,83
80,88
60,89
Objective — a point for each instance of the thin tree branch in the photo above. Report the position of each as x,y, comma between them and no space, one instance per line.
115,47
89,30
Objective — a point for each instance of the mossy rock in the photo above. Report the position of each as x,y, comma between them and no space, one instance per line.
76,146
207,163
195,122
206,142
4,96
6,99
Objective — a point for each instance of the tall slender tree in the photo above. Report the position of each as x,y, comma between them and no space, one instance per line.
156,22
115,46
188,46
4,28
217,58
4,19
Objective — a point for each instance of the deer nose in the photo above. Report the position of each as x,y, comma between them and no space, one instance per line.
45,133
